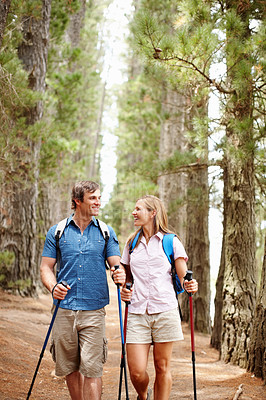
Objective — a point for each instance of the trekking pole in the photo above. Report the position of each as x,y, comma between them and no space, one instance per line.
64,283
122,337
122,365
188,277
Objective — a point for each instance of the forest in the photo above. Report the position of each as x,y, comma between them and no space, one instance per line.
181,57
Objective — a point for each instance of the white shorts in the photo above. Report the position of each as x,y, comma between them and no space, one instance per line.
157,328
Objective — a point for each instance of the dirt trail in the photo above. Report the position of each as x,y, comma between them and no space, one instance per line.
23,327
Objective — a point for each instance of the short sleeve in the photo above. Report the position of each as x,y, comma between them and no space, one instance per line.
179,250
113,244
125,256
49,249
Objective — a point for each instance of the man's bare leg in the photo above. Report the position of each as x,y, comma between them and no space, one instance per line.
75,384
92,389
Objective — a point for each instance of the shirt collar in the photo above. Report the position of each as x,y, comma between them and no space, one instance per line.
94,221
71,219
159,234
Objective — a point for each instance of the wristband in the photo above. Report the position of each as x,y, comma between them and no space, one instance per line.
54,289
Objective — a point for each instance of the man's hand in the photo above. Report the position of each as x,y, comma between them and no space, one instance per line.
59,291
118,275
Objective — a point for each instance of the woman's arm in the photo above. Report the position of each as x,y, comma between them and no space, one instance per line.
181,268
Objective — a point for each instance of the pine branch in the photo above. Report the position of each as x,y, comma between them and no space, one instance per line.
189,167
192,65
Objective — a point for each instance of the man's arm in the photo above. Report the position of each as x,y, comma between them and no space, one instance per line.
119,275
49,280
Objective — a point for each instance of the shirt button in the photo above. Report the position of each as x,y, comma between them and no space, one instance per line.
79,279
80,266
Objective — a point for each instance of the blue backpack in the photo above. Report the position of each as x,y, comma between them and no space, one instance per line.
169,251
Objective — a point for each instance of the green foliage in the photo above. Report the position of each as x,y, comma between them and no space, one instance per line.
7,259
72,97
60,12
20,285
15,133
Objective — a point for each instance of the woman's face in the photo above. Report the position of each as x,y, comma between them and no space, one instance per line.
142,217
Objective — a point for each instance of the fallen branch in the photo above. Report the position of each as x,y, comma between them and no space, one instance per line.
238,392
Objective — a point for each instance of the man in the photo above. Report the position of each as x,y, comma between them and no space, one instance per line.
78,339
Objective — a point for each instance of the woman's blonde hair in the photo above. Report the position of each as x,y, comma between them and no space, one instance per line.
153,203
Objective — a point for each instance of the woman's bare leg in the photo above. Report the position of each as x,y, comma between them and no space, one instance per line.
137,358
162,353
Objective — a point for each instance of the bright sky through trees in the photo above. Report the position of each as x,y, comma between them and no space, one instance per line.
115,31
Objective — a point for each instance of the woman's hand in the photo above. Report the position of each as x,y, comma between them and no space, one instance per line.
191,286
126,294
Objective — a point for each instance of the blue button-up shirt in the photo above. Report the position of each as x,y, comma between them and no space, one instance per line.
82,264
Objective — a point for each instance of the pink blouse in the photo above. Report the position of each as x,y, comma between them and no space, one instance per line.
153,288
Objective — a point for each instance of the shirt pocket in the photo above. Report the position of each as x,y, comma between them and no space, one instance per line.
97,246
68,250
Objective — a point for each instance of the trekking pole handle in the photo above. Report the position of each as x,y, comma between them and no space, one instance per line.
188,277
64,283
128,287
116,267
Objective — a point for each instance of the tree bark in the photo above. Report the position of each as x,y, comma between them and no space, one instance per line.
185,195
257,352
172,188
239,292
19,233
4,9
197,245
216,335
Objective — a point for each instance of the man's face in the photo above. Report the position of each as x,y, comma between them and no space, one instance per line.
91,203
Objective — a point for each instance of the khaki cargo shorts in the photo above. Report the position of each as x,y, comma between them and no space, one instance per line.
79,343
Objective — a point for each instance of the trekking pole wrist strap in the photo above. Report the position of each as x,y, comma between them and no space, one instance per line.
54,289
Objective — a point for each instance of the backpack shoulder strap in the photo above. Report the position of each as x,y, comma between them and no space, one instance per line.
168,247
106,235
58,233
104,229
133,243
60,228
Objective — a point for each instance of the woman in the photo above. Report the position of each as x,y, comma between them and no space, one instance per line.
153,316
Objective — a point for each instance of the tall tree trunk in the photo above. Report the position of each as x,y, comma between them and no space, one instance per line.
198,244
54,198
172,188
19,232
216,336
4,9
185,195
239,290
257,351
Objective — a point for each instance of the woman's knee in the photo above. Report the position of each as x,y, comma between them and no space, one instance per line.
137,374
162,367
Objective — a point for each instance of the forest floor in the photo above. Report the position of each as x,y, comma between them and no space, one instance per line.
24,324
